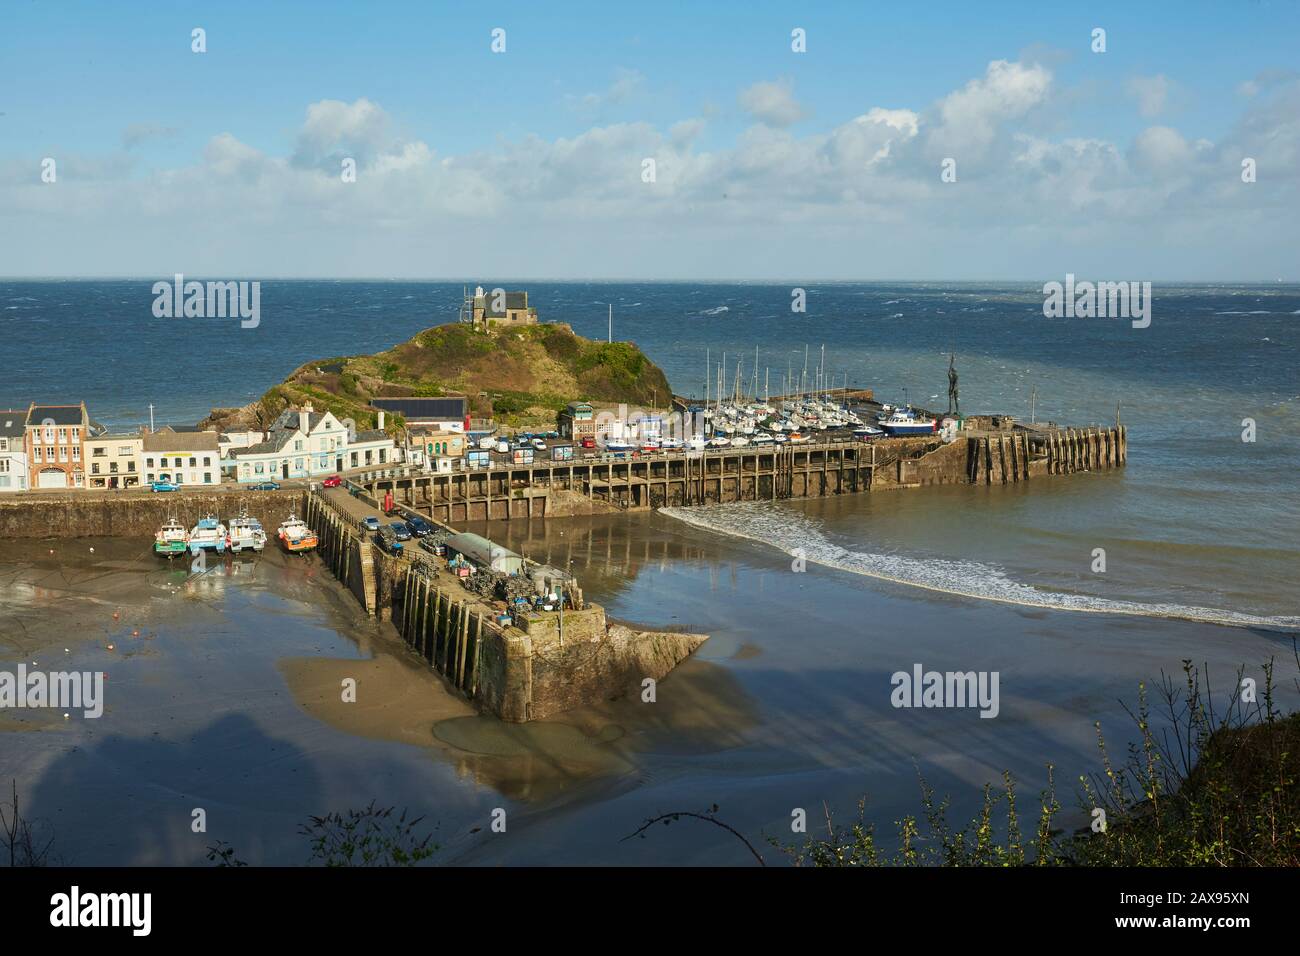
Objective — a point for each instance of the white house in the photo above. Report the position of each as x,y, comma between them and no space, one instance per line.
371,449
304,443
13,453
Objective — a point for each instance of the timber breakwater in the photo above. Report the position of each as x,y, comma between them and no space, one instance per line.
990,450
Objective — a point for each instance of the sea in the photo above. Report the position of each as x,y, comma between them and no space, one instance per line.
1075,589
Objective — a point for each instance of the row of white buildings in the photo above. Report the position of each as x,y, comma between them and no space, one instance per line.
53,447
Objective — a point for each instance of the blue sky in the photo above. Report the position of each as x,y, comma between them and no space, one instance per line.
770,163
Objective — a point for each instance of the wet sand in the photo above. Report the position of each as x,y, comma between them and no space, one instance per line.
224,693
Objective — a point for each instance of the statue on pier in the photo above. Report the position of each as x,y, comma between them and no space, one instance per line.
954,406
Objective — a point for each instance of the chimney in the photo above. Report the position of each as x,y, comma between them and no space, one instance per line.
303,414
380,426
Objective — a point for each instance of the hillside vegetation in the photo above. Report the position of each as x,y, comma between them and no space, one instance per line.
521,376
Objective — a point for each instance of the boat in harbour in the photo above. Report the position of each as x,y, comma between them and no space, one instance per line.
295,536
169,540
905,423
208,535
246,533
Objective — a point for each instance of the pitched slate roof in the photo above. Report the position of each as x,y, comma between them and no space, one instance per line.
289,419
59,414
514,300
276,443
13,422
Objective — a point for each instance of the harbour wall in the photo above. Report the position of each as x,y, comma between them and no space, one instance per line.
530,669
133,515
343,545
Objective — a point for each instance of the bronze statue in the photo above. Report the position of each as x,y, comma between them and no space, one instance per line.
954,407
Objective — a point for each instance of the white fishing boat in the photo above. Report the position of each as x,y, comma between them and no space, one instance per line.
905,423
739,441
246,534
208,535
719,441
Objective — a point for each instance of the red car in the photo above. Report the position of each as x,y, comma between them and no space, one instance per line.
333,481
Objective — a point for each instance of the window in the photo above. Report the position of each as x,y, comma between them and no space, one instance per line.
124,450
4,481
63,434
148,462
37,454
98,451
76,453
297,445
112,468
130,465
207,477
193,462
94,469
207,461
4,444
63,453
4,465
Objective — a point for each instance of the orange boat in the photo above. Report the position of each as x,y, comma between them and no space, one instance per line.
295,535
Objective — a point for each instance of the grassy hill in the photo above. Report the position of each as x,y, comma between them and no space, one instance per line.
521,376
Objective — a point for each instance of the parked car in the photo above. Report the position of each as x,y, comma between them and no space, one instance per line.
387,540
333,481
371,523
503,447
267,486
418,527
400,531
165,486
589,443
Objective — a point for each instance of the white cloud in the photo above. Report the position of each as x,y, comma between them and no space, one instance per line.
627,83
335,130
865,190
772,103
969,119
1151,93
